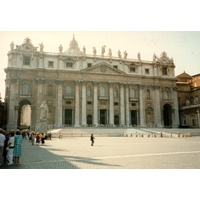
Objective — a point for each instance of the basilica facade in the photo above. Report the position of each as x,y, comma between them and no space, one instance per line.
89,90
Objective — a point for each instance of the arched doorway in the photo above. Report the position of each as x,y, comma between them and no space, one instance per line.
167,115
24,117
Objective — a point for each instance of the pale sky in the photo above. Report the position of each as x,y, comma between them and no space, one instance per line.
184,47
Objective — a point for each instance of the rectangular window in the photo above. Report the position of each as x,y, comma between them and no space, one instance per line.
116,103
132,69
133,104
89,103
115,66
164,71
68,102
50,64
89,65
26,60
146,71
69,64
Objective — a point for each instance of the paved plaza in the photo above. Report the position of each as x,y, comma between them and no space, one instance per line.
112,153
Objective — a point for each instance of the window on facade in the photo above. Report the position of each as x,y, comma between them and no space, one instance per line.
132,93
89,65
148,94
116,103
26,60
50,64
89,103
102,92
116,93
164,70
115,66
25,89
68,90
132,69
68,102
50,90
89,92
69,64
146,71
133,104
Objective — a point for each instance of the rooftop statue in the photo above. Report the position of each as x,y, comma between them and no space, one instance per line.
84,50
103,50
41,47
119,54
60,48
139,56
110,52
125,54
12,46
154,57
94,51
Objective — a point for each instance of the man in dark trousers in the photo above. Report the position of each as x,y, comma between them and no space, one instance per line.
92,139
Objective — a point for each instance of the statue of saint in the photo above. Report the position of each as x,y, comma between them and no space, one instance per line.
84,50
125,54
103,50
41,47
110,52
154,57
119,54
187,102
139,56
94,51
60,48
11,46
44,111
196,101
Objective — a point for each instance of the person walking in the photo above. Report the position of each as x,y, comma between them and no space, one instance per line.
92,139
17,146
10,147
42,138
33,137
5,146
2,141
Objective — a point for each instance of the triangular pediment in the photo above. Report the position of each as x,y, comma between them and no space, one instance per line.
102,68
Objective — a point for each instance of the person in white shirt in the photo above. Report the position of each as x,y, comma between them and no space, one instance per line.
2,140
10,148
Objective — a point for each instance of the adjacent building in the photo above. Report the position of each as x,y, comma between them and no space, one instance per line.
188,100
89,90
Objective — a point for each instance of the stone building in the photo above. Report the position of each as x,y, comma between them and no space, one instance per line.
188,100
97,90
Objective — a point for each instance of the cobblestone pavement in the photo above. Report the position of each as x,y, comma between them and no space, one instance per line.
111,153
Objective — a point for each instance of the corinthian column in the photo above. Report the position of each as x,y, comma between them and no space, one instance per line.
84,103
122,116
111,106
157,109
77,122
142,112
58,114
127,106
176,114
95,109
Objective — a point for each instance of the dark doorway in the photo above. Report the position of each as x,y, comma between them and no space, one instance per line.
68,116
116,120
167,115
133,117
103,117
89,120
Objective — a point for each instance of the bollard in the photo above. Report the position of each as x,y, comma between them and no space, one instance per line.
161,134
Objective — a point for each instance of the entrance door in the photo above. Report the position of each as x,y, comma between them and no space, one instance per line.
167,115
133,117
89,120
103,117
68,116
116,120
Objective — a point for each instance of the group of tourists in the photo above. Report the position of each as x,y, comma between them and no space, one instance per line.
39,138
10,147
